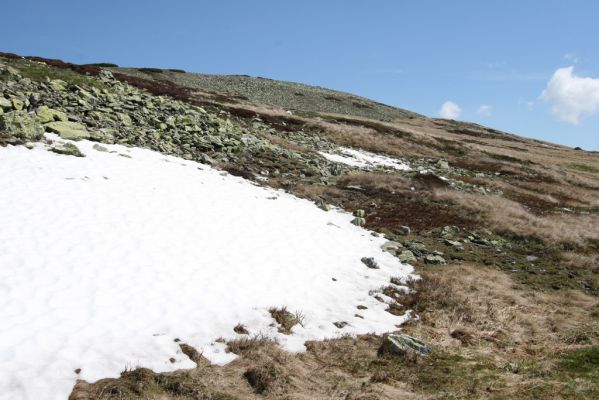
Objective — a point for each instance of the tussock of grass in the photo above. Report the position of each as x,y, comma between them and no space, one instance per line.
247,345
264,377
286,319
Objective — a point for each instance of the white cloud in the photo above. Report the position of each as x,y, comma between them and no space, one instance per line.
572,97
530,105
450,110
484,110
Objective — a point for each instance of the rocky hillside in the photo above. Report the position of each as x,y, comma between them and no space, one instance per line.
517,218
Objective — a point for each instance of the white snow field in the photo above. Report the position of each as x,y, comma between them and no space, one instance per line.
105,260
364,159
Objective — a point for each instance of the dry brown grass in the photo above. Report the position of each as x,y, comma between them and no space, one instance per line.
286,319
505,215
284,143
481,307
369,139
376,181
476,319
582,261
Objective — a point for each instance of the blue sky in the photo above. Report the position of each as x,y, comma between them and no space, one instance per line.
491,61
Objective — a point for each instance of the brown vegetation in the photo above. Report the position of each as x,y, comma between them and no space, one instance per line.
504,215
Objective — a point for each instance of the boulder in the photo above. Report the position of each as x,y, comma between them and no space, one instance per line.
68,130
68,149
399,344
406,256
21,125
46,114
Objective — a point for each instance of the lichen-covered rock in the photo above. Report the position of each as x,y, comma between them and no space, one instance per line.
68,149
46,114
406,256
21,126
68,130
17,104
400,344
58,85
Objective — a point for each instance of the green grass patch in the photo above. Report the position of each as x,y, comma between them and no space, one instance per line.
581,362
584,168
39,72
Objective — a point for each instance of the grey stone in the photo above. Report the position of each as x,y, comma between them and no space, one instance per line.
404,230
68,149
406,256
340,324
323,205
358,221
98,147
453,243
434,259
399,344
391,247
370,262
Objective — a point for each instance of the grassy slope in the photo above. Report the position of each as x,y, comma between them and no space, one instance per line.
502,326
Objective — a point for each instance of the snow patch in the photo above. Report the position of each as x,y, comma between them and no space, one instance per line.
105,260
364,159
